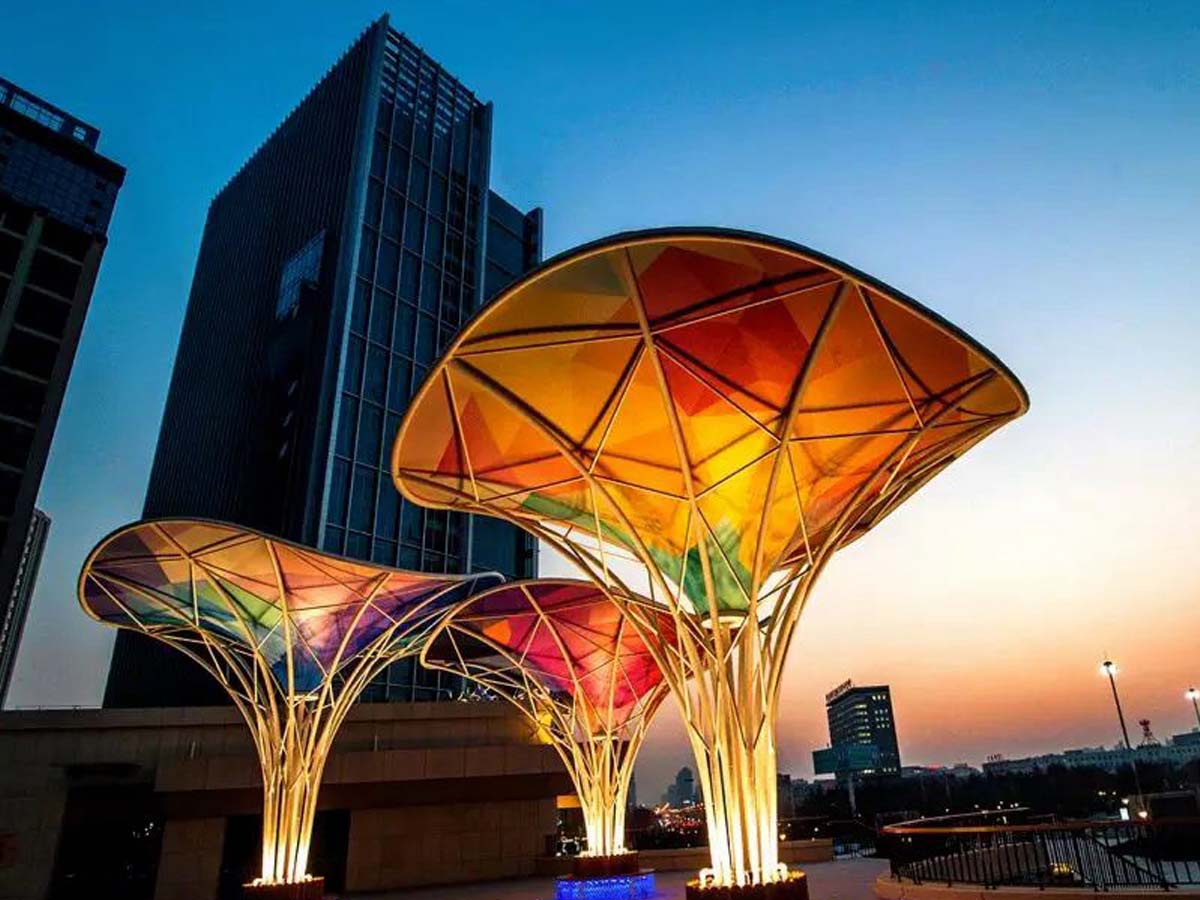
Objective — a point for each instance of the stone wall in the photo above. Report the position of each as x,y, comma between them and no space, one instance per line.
419,779
392,848
191,859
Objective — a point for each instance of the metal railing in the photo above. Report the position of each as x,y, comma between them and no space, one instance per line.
851,837
1095,855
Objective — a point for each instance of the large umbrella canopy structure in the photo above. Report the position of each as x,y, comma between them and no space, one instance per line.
571,661
726,410
292,634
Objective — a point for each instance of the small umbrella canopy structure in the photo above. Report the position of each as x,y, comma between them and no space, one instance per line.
726,410
570,659
292,634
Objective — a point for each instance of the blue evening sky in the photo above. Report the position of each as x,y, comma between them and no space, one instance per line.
1030,170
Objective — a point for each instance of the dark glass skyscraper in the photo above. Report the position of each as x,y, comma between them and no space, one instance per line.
56,198
335,266
14,612
862,731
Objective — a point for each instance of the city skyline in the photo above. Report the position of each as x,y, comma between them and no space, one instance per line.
1025,208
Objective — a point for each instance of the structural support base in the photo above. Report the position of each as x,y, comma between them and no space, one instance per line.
794,887
310,889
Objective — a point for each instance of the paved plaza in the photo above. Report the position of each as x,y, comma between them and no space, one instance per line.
839,880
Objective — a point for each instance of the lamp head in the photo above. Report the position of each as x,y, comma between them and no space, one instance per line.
1192,694
1108,667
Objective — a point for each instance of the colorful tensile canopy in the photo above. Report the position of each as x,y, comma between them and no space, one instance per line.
556,643
305,614
722,406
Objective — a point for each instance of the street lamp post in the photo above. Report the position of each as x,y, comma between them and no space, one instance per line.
1110,669
1194,695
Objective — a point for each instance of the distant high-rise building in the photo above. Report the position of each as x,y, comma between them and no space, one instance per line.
862,732
14,611
335,267
785,804
56,198
682,792
801,791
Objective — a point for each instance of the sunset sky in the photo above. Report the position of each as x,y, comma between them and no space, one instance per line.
1028,170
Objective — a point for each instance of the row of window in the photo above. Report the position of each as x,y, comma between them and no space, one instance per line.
390,379
411,74
424,107
362,428
37,112
61,239
29,352
32,346
27,360
412,334
37,176
399,324
417,283
28,106
364,499
408,225
422,284
398,555
402,302
443,195
442,145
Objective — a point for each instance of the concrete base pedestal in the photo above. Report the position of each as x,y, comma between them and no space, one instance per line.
601,866
312,889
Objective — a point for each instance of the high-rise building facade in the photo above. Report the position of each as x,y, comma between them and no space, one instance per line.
682,791
861,719
16,609
335,267
56,199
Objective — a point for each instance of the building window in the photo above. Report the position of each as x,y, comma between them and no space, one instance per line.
37,112
301,268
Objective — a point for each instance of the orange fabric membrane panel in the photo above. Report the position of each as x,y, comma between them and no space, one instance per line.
721,405
304,614
556,643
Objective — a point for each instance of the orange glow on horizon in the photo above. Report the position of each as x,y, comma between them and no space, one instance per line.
989,634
